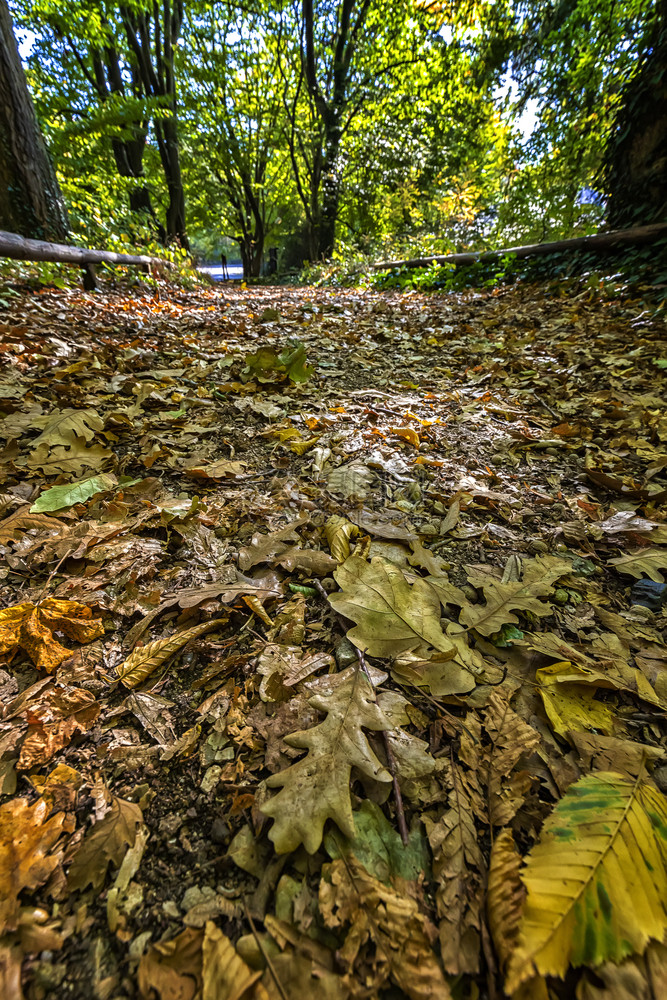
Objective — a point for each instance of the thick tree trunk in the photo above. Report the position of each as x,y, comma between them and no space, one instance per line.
636,170
30,200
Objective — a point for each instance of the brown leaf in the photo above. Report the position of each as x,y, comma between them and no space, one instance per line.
53,720
27,858
403,955
172,969
105,844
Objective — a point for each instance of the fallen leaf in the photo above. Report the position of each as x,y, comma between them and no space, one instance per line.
350,897
28,836
317,787
596,881
58,497
105,844
31,626
391,615
141,663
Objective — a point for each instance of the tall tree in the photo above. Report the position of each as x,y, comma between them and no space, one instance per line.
30,200
337,59
233,110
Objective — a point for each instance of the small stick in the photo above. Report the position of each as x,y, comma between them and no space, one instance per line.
265,954
400,815
391,760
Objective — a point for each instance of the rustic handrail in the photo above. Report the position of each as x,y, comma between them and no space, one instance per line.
600,241
21,248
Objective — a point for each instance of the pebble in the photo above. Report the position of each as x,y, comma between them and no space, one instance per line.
345,653
219,831
170,909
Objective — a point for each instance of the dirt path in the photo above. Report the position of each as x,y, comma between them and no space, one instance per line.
471,468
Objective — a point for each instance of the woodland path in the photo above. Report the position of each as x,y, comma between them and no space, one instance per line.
472,467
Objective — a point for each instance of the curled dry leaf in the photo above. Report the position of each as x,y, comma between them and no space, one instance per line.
28,837
141,663
317,787
350,897
31,626
338,532
391,615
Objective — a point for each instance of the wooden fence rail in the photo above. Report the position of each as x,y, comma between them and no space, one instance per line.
601,241
21,248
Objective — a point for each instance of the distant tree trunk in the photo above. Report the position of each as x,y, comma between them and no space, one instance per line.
635,174
30,200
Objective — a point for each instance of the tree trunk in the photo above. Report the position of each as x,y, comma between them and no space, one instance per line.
171,164
330,199
635,174
30,200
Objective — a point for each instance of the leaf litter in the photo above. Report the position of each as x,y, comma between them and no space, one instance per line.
363,681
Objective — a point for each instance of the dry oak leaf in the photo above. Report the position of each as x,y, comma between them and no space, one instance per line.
105,844
31,628
53,720
596,881
64,426
646,562
539,576
143,660
14,527
377,913
27,839
75,459
317,787
391,615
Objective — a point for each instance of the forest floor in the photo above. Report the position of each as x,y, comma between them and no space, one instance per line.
471,487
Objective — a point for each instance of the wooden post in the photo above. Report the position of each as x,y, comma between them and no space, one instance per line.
89,277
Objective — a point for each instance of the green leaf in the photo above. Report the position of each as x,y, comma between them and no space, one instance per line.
67,495
378,846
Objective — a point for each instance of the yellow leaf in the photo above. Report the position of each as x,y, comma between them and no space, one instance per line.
226,976
145,659
172,969
407,434
301,447
27,840
338,531
572,706
31,628
597,880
